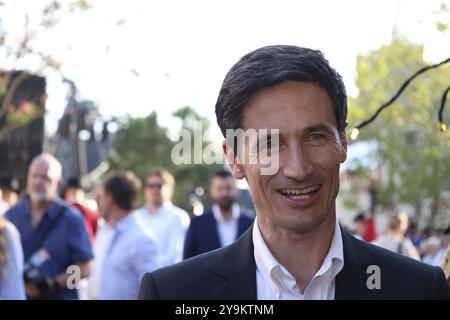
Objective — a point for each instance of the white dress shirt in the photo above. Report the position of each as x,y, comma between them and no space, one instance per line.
126,252
102,240
169,227
274,282
11,273
3,207
227,230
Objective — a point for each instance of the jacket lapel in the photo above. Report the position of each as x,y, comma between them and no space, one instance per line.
213,231
351,282
238,271
238,267
241,226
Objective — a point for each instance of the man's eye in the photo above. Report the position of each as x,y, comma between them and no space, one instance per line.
317,137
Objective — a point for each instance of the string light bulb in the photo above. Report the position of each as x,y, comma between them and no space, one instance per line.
354,134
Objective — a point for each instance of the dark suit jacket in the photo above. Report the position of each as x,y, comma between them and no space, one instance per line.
203,236
229,273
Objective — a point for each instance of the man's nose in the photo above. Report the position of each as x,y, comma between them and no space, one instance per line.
297,163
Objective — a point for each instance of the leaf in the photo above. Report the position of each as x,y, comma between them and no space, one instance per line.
442,27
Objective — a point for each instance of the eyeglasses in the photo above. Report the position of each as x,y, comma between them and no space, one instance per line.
154,185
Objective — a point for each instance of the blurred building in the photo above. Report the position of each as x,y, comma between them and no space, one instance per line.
22,107
82,139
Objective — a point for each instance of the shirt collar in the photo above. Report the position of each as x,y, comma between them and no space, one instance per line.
271,269
164,207
218,215
125,223
51,211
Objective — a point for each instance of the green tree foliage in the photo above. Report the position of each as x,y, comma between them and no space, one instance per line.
413,150
190,176
20,46
142,144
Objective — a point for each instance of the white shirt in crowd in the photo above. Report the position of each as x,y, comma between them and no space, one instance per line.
3,207
122,255
102,239
227,229
402,246
439,257
169,224
274,282
11,273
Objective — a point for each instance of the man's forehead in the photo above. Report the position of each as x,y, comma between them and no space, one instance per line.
154,178
44,167
222,180
304,103
40,166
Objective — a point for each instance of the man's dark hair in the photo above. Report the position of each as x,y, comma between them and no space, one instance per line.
446,231
360,217
9,184
124,188
162,173
272,65
73,182
222,173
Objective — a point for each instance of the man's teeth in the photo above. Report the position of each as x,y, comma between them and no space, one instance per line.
299,194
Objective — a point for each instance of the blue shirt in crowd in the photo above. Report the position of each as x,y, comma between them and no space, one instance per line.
67,242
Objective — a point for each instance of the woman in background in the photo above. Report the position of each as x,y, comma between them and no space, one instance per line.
11,262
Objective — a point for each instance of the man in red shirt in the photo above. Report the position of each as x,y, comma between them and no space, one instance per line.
75,196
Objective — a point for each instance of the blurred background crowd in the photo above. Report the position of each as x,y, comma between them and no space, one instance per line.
95,95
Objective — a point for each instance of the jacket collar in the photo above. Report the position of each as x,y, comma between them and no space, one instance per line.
238,267
351,282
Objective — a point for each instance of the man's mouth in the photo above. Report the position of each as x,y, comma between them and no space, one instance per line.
299,194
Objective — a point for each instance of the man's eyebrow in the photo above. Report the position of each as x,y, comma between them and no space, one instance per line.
319,127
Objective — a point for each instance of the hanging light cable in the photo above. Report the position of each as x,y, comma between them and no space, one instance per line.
354,133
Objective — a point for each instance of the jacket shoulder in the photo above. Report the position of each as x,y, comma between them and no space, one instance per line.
203,218
189,279
405,277
395,261
247,216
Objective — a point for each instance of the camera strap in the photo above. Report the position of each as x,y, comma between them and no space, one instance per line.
38,244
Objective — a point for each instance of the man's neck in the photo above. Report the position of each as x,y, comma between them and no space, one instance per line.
301,254
116,216
38,210
154,207
227,213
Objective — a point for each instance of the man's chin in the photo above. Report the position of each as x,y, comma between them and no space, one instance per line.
39,197
301,221
226,206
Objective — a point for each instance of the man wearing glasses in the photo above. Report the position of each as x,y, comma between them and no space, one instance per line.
166,221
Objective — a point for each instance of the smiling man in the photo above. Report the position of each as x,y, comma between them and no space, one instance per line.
296,249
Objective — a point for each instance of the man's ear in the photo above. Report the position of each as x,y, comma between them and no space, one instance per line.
236,169
343,138
109,200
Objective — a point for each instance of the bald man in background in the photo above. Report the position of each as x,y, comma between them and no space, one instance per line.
54,237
